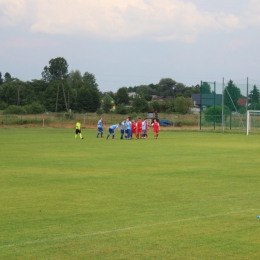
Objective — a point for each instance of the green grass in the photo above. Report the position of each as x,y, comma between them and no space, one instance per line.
187,195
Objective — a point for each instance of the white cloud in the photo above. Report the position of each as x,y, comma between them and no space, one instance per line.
122,19
12,12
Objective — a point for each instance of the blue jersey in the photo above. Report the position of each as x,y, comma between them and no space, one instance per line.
100,124
113,126
144,126
128,125
122,126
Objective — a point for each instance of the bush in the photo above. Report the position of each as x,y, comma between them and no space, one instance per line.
14,110
242,110
34,108
3,105
215,115
100,111
69,115
121,109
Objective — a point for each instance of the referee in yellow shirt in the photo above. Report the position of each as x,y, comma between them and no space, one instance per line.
78,130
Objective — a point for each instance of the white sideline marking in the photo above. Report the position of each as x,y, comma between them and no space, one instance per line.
122,229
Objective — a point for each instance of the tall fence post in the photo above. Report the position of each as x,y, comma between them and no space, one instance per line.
200,103
223,121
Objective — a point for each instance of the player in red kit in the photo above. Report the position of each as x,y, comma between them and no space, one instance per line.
156,128
147,128
139,128
134,128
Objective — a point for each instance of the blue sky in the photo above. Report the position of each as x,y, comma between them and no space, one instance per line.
129,43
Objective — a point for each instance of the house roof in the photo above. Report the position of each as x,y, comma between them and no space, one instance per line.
242,101
109,97
161,99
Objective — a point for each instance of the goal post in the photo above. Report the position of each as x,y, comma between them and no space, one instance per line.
252,120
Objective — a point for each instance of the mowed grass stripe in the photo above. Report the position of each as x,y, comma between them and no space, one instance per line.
130,228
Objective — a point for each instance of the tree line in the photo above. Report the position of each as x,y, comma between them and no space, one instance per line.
61,91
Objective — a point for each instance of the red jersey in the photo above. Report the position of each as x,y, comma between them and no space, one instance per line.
139,126
133,127
156,127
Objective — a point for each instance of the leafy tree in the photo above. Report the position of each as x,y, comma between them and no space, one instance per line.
9,92
166,106
205,88
7,76
106,104
34,108
242,110
167,86
122,96
96,100
254,97
140,104
75,80
50,98
231,95
191,90
33,91
57,70
215,114
1,79
3,105
85,100
179,89
90,81
121,109
182,105
14,110
155,106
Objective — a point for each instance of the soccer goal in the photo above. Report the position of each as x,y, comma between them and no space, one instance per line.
253,121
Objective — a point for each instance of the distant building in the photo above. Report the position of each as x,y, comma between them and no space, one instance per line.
161,99
208,100
132,94
242,101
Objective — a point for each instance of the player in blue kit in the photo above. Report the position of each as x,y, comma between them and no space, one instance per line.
128,128
144,128
122,129
100,127
112,130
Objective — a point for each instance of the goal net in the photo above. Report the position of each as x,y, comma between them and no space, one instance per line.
253,121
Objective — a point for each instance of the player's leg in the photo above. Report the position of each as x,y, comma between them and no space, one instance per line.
130,134
113,135
80,135
109,132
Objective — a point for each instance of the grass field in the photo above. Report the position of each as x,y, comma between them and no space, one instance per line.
187,195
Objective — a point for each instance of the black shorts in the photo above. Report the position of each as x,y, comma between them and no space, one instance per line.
78,131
